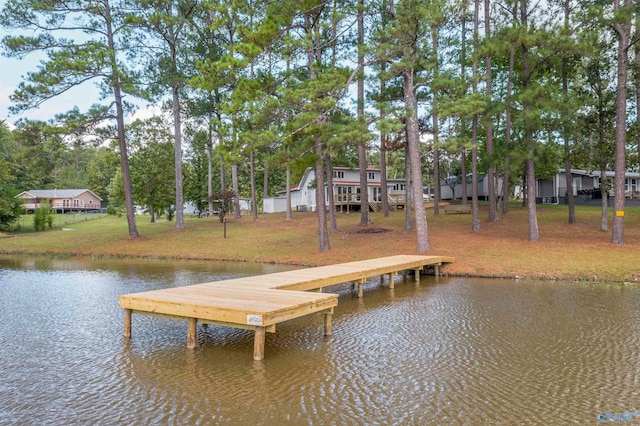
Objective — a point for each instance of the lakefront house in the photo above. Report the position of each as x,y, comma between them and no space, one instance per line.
60,200
346,191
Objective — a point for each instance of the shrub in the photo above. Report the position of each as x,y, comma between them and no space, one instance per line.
40,219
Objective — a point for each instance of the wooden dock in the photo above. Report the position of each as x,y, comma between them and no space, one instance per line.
260,302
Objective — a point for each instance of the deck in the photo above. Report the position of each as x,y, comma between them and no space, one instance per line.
260,302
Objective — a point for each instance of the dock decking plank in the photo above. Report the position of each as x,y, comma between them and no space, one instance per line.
260,302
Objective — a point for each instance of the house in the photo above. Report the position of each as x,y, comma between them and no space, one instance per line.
585,187
451,188
346,191
60,200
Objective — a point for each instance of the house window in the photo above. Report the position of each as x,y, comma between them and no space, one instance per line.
338,175
399,187
371,175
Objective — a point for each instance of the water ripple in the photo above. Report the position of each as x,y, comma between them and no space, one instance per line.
447,352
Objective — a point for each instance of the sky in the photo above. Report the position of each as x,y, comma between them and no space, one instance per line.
12,72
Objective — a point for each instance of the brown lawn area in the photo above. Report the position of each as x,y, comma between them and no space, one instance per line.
566,251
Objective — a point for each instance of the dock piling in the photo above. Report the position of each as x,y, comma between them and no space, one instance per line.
328,323
191,332
258,343
127,323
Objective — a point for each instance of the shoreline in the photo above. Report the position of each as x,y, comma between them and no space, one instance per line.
565,252
444,270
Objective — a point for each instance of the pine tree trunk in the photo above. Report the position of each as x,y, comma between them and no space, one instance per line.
532,216
313,55
529,142
210,166
288,189
566,120
321,206
177,132
252,173
330,196
236,196
362,153
410,100
223,175
475,220
637,83
265,182
436,138
384,193
408,219
604,193
463,176
507,129
122,143
493,206
623,30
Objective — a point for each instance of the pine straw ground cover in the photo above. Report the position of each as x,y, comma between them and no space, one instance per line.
576,252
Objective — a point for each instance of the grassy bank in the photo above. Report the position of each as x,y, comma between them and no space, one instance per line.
577,252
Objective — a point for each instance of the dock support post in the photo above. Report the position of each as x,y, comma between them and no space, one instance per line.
191,332
417,273
127,323
436,270
360,288
258,343
327,323
392,279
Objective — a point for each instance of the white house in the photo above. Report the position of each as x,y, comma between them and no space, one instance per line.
346,191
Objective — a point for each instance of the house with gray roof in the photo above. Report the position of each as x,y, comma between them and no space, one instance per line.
61,200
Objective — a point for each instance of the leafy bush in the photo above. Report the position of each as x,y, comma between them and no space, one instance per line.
43,217
40,219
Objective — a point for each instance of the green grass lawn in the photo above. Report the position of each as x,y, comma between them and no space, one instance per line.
500,249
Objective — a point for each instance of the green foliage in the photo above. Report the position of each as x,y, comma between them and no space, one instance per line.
43,217
9,205
115,189
152,171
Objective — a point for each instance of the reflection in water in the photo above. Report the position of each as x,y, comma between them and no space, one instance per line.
458,351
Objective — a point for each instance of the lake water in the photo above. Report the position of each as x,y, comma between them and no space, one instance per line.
452,351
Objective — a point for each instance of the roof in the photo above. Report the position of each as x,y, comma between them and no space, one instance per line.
55,193
596,173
